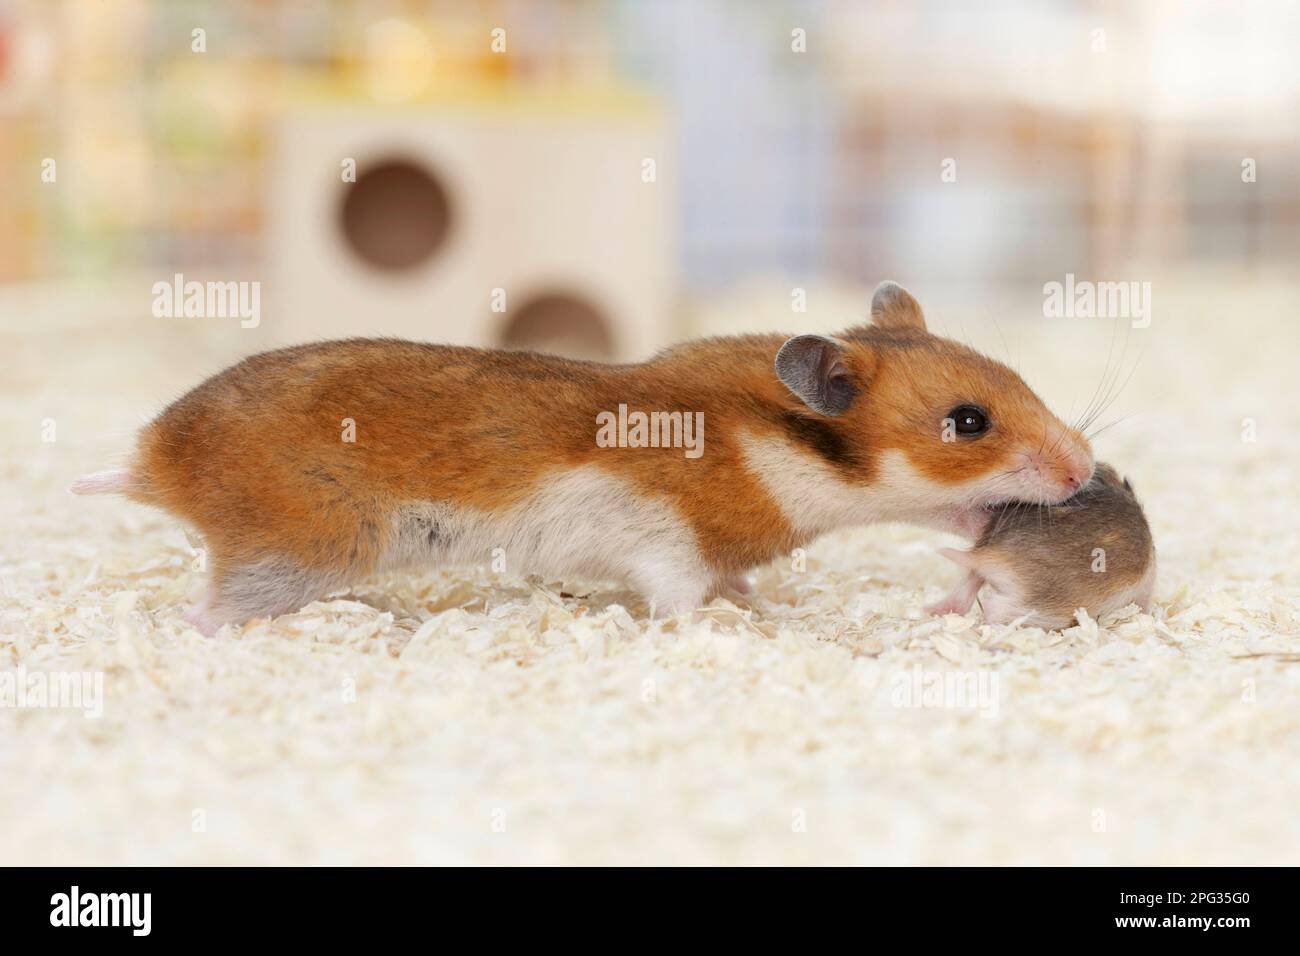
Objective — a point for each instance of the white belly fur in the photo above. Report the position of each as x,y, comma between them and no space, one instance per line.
583,523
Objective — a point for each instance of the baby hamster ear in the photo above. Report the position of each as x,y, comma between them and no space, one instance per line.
892,307
813,368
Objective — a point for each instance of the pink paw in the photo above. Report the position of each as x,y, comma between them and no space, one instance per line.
962,596
202,619
952,604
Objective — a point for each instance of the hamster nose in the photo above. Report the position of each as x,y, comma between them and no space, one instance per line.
1077,474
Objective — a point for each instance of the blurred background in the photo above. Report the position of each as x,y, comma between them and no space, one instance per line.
600,177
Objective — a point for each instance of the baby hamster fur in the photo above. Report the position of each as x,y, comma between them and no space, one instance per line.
1042,563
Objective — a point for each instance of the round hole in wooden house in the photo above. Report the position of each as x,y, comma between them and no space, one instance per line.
561,324
396,215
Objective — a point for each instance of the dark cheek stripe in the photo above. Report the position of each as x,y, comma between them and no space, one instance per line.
823,438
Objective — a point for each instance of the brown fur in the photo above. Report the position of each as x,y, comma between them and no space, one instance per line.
254,457
1047,554
921,378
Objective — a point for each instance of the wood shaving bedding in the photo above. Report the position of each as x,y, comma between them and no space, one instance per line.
454,717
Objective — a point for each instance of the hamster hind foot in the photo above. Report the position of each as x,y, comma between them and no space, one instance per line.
265,588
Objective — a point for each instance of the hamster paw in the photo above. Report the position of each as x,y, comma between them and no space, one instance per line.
961,598
200,615
952,604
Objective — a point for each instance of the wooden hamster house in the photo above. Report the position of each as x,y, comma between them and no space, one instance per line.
508,223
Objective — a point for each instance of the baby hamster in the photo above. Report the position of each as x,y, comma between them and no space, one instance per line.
1093,551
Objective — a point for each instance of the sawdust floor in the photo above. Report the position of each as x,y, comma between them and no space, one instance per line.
453,717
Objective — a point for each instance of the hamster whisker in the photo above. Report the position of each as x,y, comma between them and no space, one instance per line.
1115,391
1108,425
1110,350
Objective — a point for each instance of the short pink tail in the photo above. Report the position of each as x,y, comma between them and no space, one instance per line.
116,481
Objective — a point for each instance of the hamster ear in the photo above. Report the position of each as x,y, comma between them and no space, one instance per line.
892,307
813,368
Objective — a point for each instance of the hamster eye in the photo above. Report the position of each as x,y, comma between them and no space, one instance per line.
969,420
